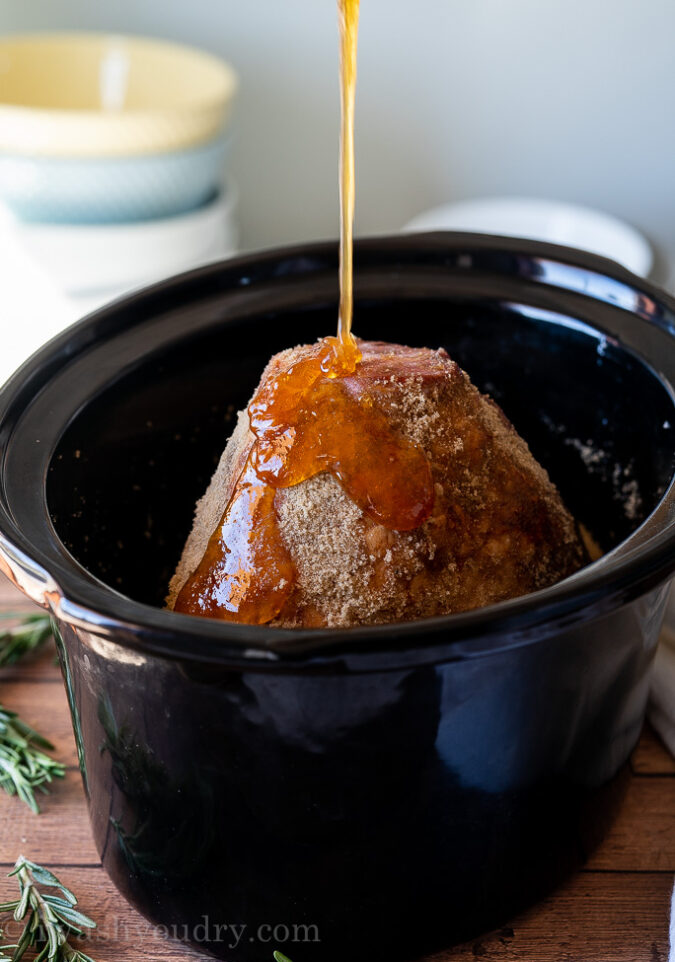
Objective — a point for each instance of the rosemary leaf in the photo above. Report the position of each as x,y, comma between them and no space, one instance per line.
50,920
24,766
28,635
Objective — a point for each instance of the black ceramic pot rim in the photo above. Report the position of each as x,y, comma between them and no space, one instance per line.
45,570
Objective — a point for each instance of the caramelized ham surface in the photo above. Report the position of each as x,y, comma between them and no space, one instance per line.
498,528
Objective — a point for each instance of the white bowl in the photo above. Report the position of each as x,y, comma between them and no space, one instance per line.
558,223
104,260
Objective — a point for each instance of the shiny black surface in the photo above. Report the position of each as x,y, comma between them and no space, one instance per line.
398,787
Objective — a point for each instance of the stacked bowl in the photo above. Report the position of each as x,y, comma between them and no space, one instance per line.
112,157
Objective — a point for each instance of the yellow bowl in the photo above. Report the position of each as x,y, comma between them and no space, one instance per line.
98,95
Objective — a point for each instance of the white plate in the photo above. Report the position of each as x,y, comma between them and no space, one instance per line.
545,220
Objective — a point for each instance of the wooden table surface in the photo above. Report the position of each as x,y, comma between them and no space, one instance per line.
615,910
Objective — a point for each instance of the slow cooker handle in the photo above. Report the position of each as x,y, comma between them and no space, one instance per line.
28,576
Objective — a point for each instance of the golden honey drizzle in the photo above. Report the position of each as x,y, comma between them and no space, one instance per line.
348,15
315,415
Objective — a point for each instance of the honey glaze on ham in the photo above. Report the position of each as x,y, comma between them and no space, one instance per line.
314,416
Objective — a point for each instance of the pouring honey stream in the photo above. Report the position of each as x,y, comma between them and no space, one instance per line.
310,416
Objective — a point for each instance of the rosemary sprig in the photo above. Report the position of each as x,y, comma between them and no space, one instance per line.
17,640
51,919
24,766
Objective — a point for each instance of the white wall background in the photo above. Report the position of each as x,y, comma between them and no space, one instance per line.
570,99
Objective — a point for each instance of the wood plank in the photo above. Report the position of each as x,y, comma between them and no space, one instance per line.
593,918
642,837
44,708
60,833
651,757
121,930
13,599
38,666
615,911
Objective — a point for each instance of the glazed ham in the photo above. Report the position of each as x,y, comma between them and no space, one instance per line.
498,528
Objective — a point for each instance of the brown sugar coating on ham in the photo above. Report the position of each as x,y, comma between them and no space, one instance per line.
498,528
